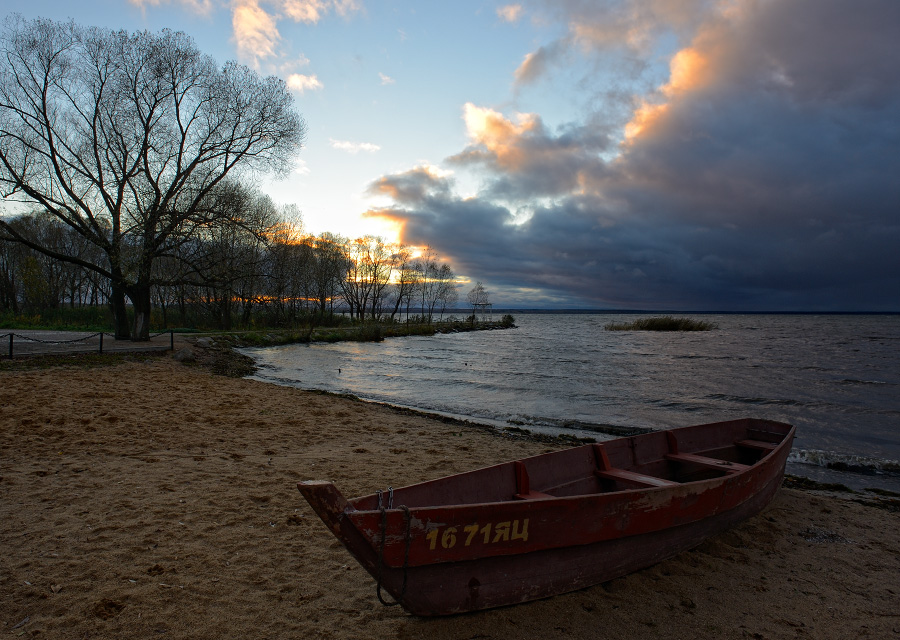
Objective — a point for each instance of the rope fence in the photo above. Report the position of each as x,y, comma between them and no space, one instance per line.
11,338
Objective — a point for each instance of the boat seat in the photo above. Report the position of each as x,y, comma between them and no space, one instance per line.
709,463
606,471
533,495
633,477
523,485
758,445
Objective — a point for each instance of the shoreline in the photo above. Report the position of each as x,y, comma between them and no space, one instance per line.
829,479
224,359
148,499
840,477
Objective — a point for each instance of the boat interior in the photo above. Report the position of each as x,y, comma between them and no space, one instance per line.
648,461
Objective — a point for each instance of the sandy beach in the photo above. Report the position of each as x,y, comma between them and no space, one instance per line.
156,500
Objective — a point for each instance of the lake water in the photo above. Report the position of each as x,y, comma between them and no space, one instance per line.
836,377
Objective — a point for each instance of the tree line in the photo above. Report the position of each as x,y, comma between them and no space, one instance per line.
254,266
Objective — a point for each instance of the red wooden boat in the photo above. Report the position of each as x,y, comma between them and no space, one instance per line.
560,521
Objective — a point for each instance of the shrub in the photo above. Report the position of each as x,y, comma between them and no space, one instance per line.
369,332
664,323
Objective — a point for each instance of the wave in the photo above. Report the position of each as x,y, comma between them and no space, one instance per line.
566,425
697,356
845,462
759,401
855,381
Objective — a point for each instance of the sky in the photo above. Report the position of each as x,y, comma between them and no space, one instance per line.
730,155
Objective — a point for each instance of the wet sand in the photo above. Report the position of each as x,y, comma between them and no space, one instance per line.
156,500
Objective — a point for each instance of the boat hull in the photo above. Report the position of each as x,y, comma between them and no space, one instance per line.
503,580
453,558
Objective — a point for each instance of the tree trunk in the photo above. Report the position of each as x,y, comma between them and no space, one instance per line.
120,312
182,307
225,310
140,298
165,316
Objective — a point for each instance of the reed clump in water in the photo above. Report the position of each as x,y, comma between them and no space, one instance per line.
664,323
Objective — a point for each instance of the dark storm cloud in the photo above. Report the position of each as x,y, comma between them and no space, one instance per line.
765,175
524,159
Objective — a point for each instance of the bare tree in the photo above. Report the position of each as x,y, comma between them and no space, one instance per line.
437,284
326,270
448,293
380,266
229,257
478,296
123,136
30,278
406,281
288,267
426,268
368,268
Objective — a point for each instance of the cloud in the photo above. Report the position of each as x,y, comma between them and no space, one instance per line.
255,22
311,11
526,159
533,67
200,7
345,7
308,11
637,25
303,83
539,63
416,186
510,12
354,147
623,34
385,79
298,63
255,31
256,28
760,175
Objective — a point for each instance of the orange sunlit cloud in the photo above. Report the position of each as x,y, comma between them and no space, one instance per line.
498,134
689,70
644,117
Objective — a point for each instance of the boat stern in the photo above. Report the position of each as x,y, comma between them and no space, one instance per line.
325,499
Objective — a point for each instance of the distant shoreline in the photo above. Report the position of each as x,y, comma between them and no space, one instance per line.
597,312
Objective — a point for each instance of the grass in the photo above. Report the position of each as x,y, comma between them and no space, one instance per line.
93,319
663,323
